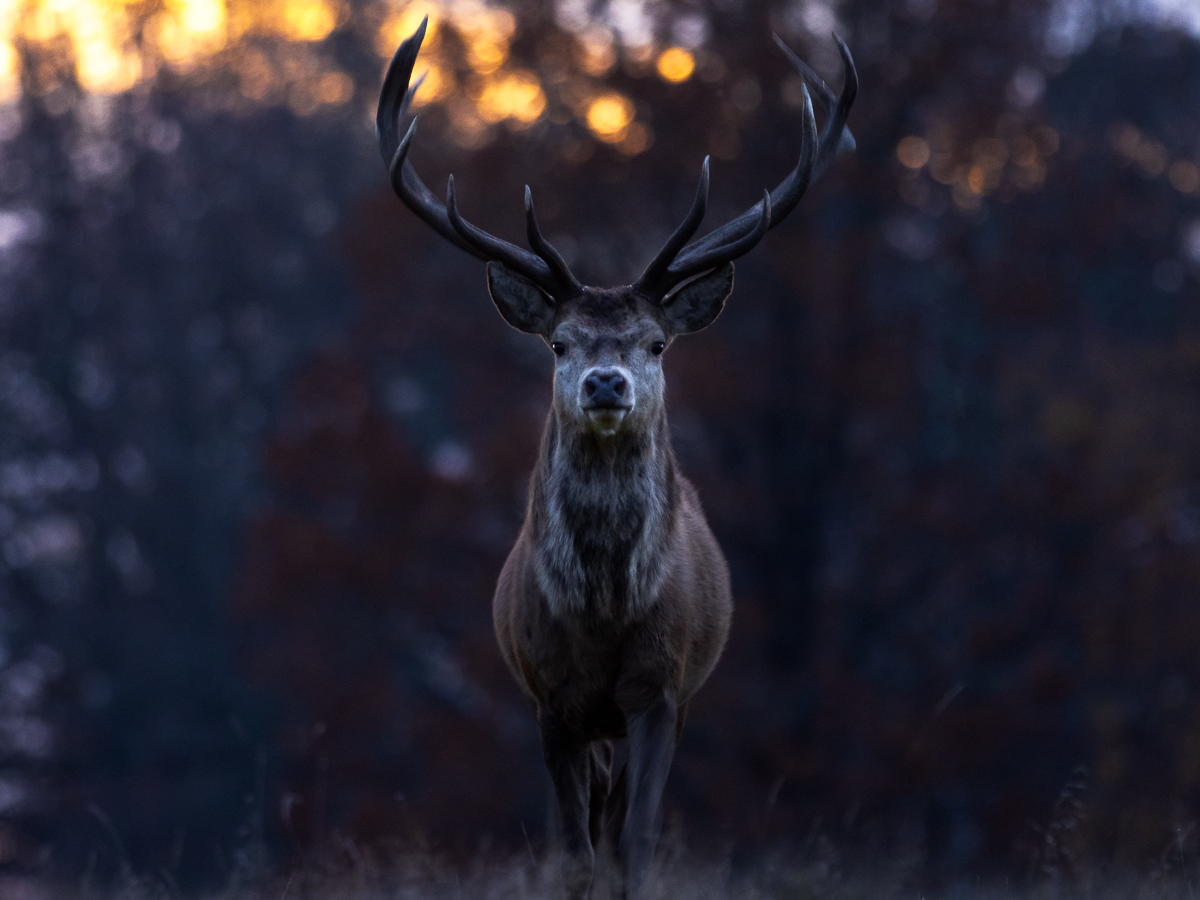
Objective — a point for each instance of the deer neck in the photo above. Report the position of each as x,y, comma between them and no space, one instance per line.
603,512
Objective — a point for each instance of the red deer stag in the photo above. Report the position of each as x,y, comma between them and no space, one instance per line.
614,604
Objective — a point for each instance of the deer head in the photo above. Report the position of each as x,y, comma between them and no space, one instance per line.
609,341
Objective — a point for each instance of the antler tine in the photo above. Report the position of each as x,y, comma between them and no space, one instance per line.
783,200
654,273
394,98
816,155
408,185
543,248
710,259
487,246
412,92
394,94
835,137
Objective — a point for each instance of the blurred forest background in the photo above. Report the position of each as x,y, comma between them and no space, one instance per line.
261,461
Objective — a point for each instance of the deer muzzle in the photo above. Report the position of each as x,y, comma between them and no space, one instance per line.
606,397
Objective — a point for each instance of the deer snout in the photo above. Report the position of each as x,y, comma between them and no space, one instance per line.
605,389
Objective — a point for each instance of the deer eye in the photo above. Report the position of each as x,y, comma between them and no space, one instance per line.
657,347
558,347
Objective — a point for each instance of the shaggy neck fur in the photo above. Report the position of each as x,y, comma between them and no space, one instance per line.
603,512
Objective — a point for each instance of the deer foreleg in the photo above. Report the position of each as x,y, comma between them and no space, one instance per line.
569,762
651,747
602,758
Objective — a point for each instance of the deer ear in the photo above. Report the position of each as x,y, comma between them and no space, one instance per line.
522,303
697,303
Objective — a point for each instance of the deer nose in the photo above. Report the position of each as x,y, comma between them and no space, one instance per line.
604,387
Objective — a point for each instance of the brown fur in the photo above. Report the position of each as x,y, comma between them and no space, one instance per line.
582,660
614,604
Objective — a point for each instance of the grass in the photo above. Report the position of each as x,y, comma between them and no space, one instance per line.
819,873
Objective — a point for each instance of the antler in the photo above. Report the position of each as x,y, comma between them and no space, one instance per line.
546,269
674,263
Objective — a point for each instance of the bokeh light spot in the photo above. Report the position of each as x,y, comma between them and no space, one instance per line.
199,16
609,115
1184,176
308,20
335,87
518,96
913,152
976,179
10,82
257,79
103,70
486,55
676,65
599,54
638,138
187,29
